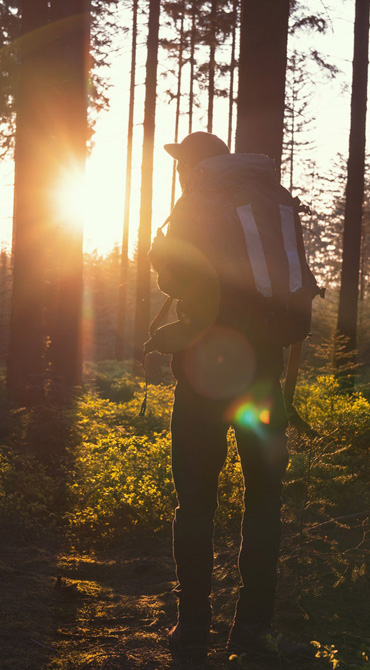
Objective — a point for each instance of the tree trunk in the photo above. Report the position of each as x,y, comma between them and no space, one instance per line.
122,293
71,51
178,101
26,347
232,72
364,258
347,315
212,64
262,69
292,142
3,302
192,65
142,315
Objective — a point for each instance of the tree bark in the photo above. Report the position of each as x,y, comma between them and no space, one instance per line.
26,347
122,293
212,64
3,303
192,65
178,100
262,69
348,300
232,72
142,315
71,53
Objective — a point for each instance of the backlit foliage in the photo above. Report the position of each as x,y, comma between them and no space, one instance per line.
117,466
103,473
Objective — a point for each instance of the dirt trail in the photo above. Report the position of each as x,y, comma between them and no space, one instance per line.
105,612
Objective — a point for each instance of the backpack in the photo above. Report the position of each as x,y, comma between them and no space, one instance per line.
279,275
252,236
257,250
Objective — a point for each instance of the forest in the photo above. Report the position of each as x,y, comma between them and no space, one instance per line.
86,490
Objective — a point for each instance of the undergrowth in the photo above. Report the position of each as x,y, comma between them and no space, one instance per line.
102,473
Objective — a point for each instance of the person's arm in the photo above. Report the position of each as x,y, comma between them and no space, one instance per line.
184,273
171,254
166,258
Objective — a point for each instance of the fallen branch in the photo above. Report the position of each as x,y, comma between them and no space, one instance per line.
340,519
333,522
41,644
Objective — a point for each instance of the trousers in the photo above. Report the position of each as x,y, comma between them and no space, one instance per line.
199,448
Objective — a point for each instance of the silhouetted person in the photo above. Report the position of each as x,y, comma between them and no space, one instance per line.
228,370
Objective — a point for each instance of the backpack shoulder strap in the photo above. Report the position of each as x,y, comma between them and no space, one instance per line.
160,316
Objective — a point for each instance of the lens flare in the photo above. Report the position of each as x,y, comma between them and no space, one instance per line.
247,416
221,364
249,413
265,416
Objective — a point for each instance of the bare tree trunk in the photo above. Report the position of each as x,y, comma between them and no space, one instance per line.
347,314
178,101
232,72
262,68
192,65
363,266
3,302
142,315
122,293
212,64
292,145
26,347
71,62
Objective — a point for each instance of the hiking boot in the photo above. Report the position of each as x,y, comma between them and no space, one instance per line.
189,640
265,643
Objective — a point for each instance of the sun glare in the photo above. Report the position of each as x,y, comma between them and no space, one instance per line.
70,198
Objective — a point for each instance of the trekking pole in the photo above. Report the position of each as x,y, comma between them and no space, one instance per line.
292,371
158,319
290,383
152,329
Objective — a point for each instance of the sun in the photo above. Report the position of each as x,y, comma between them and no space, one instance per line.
92,198
70,197
89,199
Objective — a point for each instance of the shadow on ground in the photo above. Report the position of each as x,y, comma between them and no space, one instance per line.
99,612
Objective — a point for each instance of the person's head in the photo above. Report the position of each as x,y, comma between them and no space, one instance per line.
193,149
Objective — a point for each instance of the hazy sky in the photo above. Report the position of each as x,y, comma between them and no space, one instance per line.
330,105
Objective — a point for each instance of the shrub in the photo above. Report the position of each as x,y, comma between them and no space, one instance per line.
119,475
27,494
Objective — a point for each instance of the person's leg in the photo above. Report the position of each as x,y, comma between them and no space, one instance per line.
199,450
261,526
264,459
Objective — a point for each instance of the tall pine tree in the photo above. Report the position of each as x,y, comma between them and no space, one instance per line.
262,68
26,349
122,293
142,314
347,314
71,54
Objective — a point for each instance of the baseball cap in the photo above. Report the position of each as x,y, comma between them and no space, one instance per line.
197,147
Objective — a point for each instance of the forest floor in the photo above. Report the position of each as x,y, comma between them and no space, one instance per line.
81,589
113,610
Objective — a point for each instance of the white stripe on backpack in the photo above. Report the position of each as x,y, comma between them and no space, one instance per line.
257,256
255,250
290,245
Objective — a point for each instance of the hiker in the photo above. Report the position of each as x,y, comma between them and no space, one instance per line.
227,362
